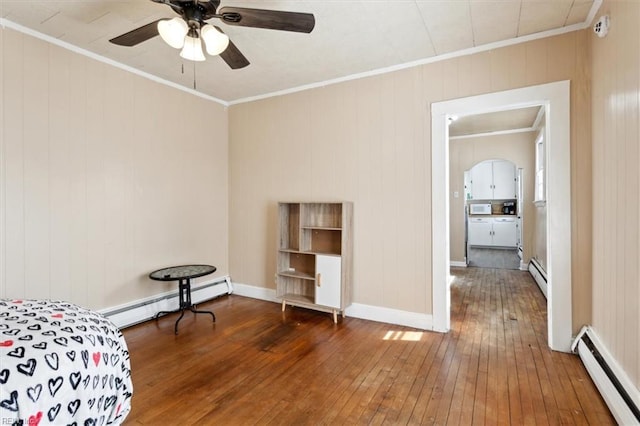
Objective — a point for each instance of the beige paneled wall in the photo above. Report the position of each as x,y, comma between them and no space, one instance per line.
464,154
616,182
368,141
105,177
334,144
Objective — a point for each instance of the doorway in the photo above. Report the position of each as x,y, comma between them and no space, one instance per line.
554,97
488,218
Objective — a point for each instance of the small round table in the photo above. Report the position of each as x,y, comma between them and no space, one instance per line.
183,274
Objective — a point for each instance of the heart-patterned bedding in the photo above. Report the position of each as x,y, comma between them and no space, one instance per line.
61,364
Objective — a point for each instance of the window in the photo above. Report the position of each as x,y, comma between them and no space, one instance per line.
540,194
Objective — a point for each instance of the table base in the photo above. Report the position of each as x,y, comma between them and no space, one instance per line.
184,287
190,308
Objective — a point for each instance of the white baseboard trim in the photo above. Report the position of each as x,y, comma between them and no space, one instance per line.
390,316
539,275
356,310
623,397
140,310
254,292
458,263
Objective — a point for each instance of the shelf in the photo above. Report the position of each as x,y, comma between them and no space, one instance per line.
323,253
290,250
290,297
297,274
311,252
322,228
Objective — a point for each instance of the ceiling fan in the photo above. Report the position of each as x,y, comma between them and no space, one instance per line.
186,31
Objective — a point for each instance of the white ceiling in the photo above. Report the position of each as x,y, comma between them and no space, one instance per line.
351,37
509,121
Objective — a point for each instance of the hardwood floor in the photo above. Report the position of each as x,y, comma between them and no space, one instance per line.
257,365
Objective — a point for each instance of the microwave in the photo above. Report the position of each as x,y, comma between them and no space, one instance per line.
482,208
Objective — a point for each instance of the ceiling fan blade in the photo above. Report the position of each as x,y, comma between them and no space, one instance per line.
233,57
269,19
138,35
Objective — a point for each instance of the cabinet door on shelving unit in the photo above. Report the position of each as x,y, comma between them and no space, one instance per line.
328,277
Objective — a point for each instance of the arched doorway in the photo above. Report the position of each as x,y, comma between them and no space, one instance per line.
491,234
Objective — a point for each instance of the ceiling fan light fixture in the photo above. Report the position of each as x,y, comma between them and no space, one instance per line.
214,40
192,49
173,32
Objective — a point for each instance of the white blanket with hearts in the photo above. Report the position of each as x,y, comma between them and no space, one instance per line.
61,364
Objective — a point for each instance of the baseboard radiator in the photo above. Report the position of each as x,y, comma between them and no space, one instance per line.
539,275
618,391
145,309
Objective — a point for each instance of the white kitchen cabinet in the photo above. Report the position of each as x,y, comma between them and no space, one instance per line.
505,232
492,231
504,180
482,181
493,180
480,231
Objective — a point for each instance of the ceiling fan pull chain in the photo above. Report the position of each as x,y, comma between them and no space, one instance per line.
194,75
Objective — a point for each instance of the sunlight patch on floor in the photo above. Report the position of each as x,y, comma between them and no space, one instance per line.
412,336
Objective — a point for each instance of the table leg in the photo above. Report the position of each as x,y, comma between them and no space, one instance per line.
184,290
175,327
182,303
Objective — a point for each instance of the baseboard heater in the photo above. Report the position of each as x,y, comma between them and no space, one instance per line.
539,275
144,309
618,391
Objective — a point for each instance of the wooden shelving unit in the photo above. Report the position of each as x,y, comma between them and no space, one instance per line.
315,250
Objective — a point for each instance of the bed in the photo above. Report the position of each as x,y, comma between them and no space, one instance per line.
61,364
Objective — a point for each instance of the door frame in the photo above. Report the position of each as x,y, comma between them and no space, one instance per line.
555,97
